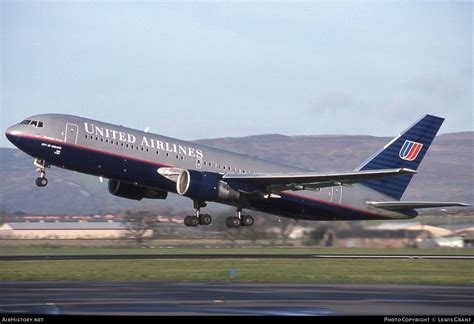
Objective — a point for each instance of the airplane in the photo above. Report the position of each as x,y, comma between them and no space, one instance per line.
142,165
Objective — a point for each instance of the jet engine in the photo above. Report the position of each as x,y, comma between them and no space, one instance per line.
205,186
130,191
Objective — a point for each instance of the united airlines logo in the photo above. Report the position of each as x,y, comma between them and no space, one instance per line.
410,150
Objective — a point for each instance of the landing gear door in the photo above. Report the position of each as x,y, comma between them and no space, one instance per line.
71,133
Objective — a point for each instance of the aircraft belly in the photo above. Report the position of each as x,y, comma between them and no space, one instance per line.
318,205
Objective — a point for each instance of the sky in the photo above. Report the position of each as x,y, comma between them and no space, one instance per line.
194,70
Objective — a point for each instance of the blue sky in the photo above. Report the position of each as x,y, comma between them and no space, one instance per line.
201,70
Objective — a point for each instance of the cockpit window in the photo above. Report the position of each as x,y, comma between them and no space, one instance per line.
35,123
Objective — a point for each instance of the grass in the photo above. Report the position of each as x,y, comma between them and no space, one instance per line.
11,249
415,271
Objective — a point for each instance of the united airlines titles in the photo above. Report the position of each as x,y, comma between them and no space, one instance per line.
145,141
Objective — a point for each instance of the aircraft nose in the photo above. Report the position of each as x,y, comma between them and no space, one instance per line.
12,133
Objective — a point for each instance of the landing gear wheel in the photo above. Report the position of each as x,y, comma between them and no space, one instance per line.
41,181
198,218
205,219
192,221
41,166
246,220
233,222
186,220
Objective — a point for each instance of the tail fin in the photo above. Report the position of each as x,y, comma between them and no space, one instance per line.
404,151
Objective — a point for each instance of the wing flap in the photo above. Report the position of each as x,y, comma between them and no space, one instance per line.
405,205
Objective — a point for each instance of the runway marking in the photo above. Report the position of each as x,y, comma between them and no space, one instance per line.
229,256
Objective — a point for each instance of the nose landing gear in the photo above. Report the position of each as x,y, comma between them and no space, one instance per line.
41,166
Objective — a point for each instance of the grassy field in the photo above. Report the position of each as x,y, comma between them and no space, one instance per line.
82,247
412,271
274,270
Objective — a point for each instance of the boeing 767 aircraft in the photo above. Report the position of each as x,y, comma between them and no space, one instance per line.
144,165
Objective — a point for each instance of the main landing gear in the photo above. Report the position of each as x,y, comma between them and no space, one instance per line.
198,218
239,220
41,166
204,219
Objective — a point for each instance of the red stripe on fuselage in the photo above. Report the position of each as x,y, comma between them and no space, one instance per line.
93,149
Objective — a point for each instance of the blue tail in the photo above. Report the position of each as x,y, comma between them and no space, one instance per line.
404,151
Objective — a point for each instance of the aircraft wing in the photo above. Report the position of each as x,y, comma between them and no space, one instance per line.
404,205
276,182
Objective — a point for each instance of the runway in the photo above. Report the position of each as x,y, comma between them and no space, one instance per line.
227,256
232,298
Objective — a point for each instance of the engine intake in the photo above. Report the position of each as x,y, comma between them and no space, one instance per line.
130,191
206,186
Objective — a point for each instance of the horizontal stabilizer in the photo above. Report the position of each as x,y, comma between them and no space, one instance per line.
405,205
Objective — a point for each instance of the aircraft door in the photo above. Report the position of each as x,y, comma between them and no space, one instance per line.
71,133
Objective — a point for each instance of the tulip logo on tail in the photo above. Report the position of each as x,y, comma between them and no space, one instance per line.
410,150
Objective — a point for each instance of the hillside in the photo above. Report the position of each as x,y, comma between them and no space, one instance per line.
446,173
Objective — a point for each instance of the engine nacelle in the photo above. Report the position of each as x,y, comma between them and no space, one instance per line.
205,186
130,191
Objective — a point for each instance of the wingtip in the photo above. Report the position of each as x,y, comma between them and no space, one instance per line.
406,170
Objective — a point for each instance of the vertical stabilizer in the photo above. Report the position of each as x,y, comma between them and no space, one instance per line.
404,151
